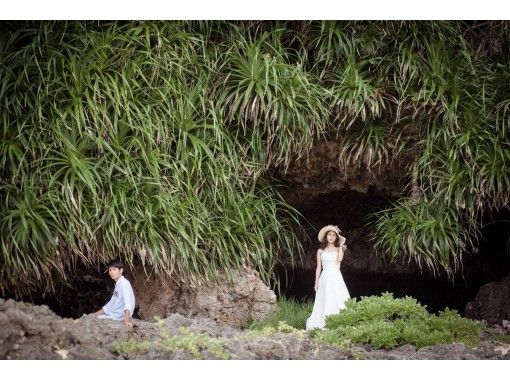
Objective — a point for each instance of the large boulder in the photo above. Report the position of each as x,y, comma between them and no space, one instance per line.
492,303
234,303
35,332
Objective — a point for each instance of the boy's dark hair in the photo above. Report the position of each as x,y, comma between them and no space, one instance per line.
116,264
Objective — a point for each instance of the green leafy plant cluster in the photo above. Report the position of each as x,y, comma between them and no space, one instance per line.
157,141
194,343
129,346
186,340
385,322
290,312
280,327
112,145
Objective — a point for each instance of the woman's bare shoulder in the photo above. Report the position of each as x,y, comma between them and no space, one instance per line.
319,251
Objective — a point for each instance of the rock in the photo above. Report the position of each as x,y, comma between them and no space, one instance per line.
319,172
506,326
492,303
174,322
34,332
452,351
233,303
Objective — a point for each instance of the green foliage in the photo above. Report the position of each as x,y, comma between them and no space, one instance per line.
194,343
501,338
151,140
444,235
130,346
187,340
385,322
267,330
370,147
258,88
290,312
126,156
384,307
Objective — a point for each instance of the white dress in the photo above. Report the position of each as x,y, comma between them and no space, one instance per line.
332,293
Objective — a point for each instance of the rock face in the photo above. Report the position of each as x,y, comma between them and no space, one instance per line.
34,332
320,173
325,192
235,304
492,303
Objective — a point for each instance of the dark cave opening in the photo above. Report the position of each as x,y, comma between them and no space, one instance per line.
365,273
435,294
87,291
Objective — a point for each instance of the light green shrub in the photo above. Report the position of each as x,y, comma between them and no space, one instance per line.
385,322
194,343
129,346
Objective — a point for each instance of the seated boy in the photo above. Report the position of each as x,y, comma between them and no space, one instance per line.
122,304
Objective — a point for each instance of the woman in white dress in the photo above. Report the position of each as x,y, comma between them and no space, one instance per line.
330,289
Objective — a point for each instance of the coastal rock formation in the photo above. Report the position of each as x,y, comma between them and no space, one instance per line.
234,303
34,332
325,191
492,303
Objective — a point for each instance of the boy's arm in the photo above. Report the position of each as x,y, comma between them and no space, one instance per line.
127,319
104,309
126,291
99,312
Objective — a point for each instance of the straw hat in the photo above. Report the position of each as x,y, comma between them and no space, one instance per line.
330,227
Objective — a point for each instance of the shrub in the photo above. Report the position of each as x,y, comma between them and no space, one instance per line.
129,346
194,343
187,340
385,322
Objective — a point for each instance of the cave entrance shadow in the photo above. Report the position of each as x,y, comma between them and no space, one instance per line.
349,210
436,294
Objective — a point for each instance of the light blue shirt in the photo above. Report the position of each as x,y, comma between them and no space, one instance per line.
122,299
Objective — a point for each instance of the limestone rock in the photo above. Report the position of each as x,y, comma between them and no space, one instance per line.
492,303
34,332
234,303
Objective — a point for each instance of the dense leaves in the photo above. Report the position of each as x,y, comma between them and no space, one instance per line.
385,322
150,140
112,147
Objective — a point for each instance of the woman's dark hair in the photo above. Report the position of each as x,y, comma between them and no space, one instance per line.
324,242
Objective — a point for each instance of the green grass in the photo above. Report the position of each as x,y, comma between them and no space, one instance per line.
195,343
290,311
501,338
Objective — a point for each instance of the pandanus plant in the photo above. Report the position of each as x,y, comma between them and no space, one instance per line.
153,141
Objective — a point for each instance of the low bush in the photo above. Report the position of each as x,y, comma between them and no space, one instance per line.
385,322
194,342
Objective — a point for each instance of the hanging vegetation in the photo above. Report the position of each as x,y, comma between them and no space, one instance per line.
150,140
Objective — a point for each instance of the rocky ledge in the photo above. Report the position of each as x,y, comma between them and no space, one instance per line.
35,332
